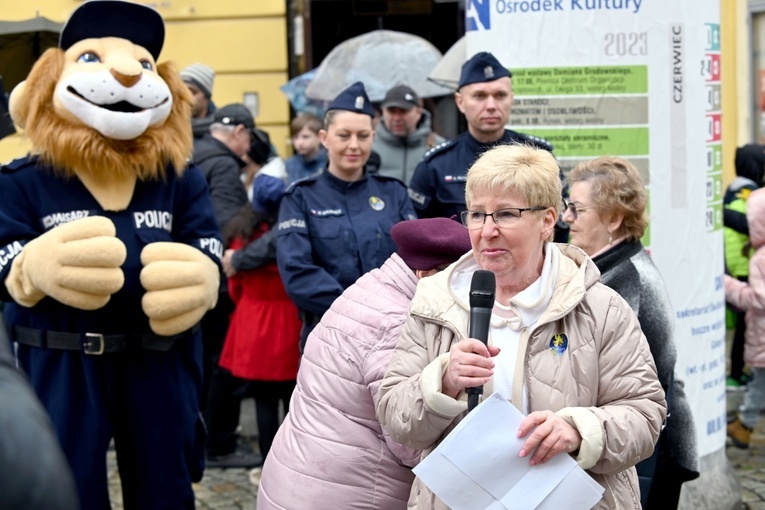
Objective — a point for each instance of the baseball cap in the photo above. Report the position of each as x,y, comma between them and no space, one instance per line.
235,114
401,96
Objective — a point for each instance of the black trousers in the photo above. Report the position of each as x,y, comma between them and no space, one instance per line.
267,395
222,392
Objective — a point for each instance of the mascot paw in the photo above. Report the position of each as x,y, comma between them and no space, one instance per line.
77,264
181,285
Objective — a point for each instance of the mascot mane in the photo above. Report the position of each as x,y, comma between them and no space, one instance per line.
71,147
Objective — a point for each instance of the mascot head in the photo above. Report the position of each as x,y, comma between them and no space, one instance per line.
100,103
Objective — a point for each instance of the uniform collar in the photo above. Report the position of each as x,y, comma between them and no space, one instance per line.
478,147
339,183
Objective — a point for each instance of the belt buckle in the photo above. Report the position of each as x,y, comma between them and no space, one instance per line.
93,344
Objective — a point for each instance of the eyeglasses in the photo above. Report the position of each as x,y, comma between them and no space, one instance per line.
502,218
574,209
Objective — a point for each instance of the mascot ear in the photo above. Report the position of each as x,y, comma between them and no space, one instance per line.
40,83
18,104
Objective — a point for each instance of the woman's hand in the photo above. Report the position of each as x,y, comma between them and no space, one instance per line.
469,365
552,435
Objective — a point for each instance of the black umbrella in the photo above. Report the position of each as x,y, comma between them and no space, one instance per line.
21,44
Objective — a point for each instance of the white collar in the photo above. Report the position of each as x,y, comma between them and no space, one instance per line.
526,307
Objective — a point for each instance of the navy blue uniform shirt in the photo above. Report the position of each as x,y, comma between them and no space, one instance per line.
330,232
437,188
33,200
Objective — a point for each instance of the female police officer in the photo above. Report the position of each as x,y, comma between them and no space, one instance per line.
335,226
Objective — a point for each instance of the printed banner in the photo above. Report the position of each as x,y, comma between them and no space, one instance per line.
638,79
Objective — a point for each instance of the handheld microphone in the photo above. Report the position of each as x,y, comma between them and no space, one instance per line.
482,289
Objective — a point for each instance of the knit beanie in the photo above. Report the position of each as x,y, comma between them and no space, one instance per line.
200,75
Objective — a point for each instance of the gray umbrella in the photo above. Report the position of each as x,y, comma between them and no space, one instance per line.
447,71
381,60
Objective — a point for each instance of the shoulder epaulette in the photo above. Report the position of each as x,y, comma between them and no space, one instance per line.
19,163
439,148
536,141
301,182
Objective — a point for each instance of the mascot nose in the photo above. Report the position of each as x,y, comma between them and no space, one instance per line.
126,80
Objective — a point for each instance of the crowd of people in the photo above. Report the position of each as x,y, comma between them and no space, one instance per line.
343,300
353,314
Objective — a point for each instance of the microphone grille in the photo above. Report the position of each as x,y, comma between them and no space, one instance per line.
482,289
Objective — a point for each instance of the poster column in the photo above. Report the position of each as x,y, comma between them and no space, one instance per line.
638,79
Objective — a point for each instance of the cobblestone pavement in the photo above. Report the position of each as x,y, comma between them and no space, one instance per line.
749,464
236,489
220,489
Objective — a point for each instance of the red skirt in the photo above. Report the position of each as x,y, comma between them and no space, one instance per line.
264,332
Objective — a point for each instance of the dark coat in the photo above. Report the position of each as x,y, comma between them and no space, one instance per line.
34,474
628,269
221,169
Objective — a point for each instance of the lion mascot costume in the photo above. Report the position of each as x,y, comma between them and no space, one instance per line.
110,253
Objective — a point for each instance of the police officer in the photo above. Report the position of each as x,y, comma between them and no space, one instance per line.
335,226
484,95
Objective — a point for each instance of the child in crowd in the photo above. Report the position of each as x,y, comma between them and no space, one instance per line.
261,345
750,165
310,157
751,298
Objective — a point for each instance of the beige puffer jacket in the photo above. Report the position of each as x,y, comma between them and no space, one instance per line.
604,383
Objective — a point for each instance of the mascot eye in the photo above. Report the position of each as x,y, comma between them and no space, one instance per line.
89,58
146,65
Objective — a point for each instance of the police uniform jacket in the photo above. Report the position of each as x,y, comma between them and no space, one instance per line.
33,200
330,232
437,188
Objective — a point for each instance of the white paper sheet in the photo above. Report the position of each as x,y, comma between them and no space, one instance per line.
477,466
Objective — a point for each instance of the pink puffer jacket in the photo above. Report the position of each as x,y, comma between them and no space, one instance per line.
331,452
751,296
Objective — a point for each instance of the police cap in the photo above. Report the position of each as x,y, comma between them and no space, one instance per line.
482,67
96,19
353,99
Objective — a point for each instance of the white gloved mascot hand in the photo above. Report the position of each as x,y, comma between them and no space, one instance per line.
181,285
77,264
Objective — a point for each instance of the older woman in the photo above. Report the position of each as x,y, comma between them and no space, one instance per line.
335,226
331,452
564,349
607,216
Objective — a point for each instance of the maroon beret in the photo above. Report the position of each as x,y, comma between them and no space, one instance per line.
430,242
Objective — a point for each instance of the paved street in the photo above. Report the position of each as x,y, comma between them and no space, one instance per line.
231,489
750,464
220,489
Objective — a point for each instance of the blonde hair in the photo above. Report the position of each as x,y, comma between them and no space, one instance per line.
531,172
617,188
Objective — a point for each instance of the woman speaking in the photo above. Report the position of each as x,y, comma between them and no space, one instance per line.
564,349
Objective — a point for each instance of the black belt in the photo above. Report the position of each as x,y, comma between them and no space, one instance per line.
95,343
